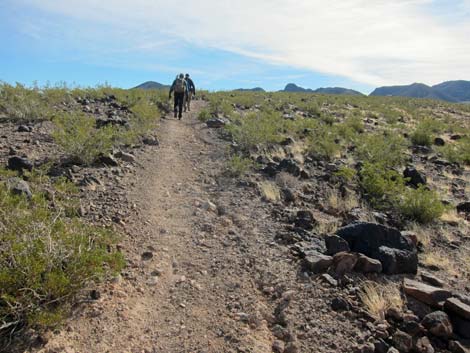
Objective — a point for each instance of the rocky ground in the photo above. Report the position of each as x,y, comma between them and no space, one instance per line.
213,266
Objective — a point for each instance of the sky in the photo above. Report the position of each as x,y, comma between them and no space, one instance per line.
227,44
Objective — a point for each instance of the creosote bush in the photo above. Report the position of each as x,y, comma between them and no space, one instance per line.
81,140
239,165
46,258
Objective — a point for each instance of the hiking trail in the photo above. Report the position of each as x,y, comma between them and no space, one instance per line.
176,291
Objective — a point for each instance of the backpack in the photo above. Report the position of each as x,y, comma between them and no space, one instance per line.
180,85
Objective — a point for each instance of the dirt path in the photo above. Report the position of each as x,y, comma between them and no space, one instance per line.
184,290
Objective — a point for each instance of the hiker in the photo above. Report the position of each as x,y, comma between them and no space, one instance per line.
190,94
180,88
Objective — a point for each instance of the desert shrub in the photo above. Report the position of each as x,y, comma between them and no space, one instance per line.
20,103
356,123
387,149
256,129
425,131
458,152
144,120
421,205
46,258
204,115
382,186
323,143
81,141
346,174
386,189
238,165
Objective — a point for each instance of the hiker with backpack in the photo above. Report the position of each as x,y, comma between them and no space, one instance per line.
191,93
180,88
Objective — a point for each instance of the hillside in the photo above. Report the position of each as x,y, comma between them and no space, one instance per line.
452,91
256,89
458,90
260,222
292,87
152,85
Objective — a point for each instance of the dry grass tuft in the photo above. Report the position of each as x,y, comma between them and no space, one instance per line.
341,204
422,233
439,260
378,298
269,191
286,180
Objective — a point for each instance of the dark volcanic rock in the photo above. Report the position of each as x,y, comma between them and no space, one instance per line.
464,207
439,141
335,244
290,166
19,164
415,178
396,252
216,123
305,220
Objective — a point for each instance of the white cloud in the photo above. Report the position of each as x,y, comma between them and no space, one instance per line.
370,41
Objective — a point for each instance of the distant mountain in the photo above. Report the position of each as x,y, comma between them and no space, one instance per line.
416,90
458,90
292,87
256,89
152,85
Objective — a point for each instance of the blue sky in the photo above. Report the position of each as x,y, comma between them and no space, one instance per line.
224,45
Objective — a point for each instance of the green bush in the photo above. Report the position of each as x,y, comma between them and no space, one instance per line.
387,149
346,174
458,152
386,189
238,165
20,103
256,129
81,141
322,143
421,205
204,115
46,258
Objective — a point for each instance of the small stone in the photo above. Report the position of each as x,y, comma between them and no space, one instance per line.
458,347
291,347
147,255
278,346
18,186
317,262
340,304
367,348
344,262
402,341
438,323
366,264
432,280
423,345
455,306
327,278
19,164
439,141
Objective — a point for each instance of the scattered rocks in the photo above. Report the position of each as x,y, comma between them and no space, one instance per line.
147,255
25,128
317,262
459,347
464,207
432,280
340,304
438,323
423,345
402,341
396,252
427,294
439,141
455,306
216,123
19,187
290,166
19,164
151,141
344,262
415,178
108,160
305,220
366,264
